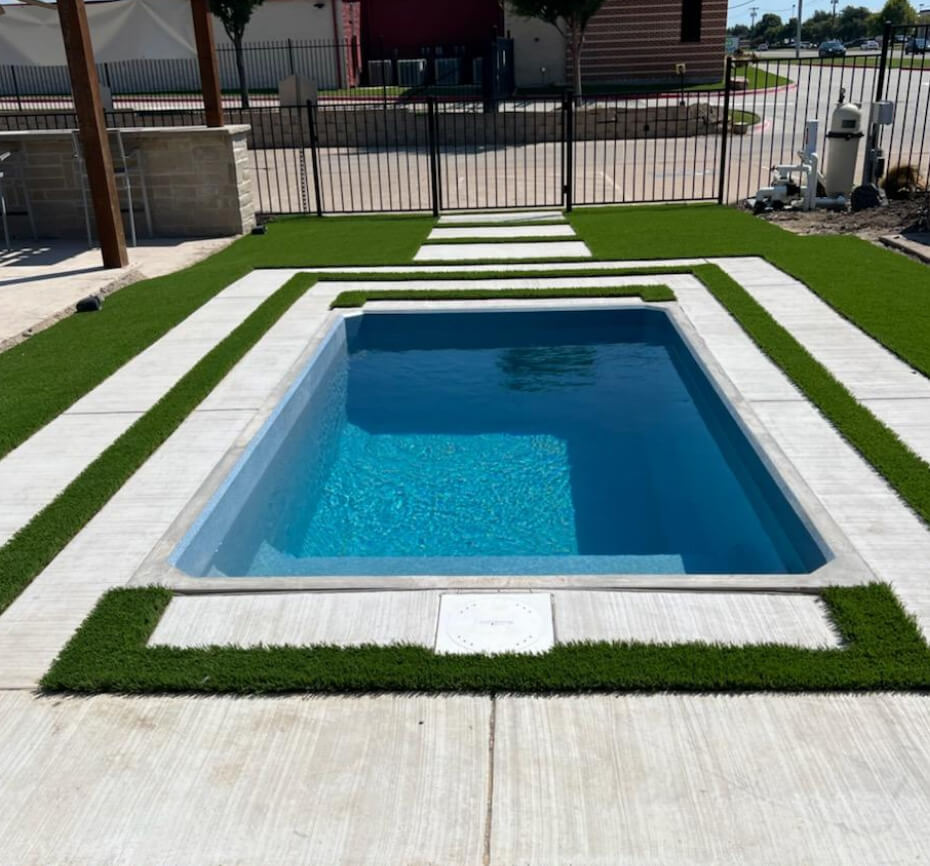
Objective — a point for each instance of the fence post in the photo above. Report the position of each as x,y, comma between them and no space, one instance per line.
724,129
19,99
290,56
568,137
432,139
314,159
887,37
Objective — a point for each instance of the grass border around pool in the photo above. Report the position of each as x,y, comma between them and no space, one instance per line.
881,649
882,646
360,298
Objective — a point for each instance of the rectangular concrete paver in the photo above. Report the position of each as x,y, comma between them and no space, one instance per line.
664,779
299,619
516,250
496,232
478,217
680,617
159,781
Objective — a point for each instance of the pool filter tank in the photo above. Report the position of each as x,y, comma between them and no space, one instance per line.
843,147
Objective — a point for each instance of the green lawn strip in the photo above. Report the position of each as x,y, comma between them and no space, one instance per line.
359,298
48,372
884,293
882,650
37,543
907,473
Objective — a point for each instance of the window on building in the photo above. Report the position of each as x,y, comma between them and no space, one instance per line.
691,20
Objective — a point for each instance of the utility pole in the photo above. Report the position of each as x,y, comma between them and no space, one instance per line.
753,11
833,4
797,37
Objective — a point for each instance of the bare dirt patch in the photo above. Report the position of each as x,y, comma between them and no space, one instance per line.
895,218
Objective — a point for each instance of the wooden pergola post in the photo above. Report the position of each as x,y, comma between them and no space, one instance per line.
92,128
206,58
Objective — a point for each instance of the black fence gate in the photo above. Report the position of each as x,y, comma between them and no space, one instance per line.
355,152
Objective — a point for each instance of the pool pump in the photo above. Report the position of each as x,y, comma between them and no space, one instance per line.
802,186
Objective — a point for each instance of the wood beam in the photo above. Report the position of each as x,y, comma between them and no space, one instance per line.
206,58
85,88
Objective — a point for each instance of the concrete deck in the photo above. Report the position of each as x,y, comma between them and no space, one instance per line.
763,779
787,780
40,283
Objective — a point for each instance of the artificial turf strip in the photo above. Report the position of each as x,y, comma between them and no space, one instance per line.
883,293
359,298
48,372
882,650
37,543
907,473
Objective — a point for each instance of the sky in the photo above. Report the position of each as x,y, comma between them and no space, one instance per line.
738,12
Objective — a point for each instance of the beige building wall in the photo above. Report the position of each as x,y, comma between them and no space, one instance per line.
279,20
539,51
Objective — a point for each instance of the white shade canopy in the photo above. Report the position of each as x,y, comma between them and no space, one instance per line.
120,30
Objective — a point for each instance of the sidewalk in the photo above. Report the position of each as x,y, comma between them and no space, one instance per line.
41,282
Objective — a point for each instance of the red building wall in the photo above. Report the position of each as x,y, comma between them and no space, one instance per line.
406,26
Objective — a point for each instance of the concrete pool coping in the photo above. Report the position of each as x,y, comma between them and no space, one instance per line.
843,568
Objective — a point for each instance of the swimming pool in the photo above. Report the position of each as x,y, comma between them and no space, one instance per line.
547,442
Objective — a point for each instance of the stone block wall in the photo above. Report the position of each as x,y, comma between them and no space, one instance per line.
197,180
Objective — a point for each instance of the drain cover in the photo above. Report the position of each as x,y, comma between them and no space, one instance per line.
495,622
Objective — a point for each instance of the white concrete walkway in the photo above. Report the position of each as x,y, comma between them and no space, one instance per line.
893,391
597,781
33,474
465,780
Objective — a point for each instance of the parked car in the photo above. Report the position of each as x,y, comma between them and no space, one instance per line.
870,45
762,46
831,48
856,43
916,45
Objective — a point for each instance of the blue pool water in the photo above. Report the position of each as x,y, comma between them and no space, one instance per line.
543,442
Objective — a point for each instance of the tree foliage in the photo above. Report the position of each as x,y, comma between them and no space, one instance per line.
569,17
898,12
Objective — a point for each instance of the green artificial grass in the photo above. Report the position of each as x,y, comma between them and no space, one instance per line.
37,543
359,298
48,372
882,650
884,293
901,467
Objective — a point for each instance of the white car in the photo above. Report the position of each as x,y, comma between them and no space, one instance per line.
870,45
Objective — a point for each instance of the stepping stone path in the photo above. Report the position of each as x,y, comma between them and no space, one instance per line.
533,236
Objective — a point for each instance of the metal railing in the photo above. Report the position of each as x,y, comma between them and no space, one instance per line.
431,153
769,120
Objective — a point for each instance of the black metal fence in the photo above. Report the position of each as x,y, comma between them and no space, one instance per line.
769,119
432,153
336,67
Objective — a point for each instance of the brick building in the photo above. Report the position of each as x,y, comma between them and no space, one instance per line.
628,40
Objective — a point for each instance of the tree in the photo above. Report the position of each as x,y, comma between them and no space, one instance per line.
818,28
898,12
768,29
852,23
235,16
738,30
569,17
